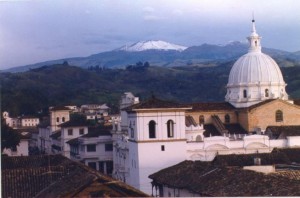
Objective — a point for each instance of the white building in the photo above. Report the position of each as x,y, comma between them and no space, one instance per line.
94,149
71,130
29,121
22,149
58,115
156,134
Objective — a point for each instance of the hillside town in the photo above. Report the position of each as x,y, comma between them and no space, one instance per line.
248,145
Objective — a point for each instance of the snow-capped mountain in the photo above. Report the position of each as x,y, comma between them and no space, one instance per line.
151,45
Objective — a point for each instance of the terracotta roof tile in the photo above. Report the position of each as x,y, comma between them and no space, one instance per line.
154,103
208,179
284,131
59,108
57,176
212,106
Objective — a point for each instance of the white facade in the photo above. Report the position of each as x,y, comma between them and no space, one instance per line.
44,140
58,116
136,155
68,133
29,121
95,152
254,77
21,149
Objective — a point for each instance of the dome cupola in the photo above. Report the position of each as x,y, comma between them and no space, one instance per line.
254,77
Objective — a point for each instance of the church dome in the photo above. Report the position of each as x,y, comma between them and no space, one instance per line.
255,67
254,77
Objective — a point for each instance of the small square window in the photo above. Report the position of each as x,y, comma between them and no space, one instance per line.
81,131
70,131
108,147
162,147
91,147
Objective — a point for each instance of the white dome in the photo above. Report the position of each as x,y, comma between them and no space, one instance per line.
254,77
255,67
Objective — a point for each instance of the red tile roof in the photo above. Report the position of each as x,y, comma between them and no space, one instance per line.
57,176
154,103
212,106
59,108
207,179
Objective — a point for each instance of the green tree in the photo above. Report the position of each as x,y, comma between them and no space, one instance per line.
9,137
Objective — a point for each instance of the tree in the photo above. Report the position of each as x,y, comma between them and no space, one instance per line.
9,137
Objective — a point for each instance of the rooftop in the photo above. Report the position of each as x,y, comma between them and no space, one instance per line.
59,108
225,177
57,176
154,103
284,131
211,106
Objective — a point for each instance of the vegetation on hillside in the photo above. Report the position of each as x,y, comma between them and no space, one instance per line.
34,91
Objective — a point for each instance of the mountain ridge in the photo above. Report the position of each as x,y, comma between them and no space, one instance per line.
194,55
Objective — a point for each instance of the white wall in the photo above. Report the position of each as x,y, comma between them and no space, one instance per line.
22,149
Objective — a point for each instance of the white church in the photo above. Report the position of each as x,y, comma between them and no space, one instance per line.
256,117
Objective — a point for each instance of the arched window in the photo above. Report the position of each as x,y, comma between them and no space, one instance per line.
227,119
152,129
57,119
266,92
63,119
245,93
170,128
279,116
201,119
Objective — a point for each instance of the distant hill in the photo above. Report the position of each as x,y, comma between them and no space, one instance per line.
165,54
36,90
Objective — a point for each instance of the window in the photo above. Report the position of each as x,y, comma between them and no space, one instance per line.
91,147
227,119
101,167
201,119
279,116
108,147
266,92
132,133
63,119
109,167
70,131
57,119
92,165
170,128
245,93
81,131
162,147
152,130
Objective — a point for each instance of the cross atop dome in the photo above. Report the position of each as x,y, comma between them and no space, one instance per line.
254,39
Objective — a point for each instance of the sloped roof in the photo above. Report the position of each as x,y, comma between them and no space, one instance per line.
99,131
60,108
56,134
75,123
297,102
211,106
154,103
248,159
208,179
189,120
74,141
285,131
210,130
57,176
235,129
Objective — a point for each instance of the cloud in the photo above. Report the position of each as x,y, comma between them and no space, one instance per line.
151,18
177,12
148,9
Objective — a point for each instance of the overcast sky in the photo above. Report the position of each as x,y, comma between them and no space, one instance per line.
35,31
